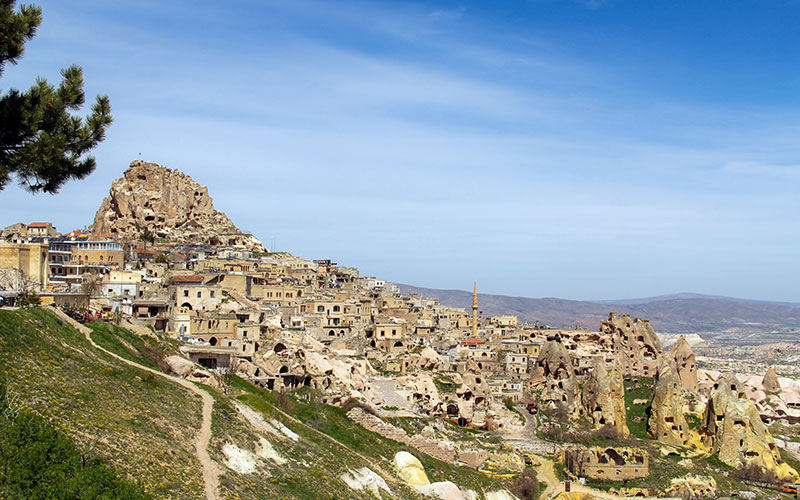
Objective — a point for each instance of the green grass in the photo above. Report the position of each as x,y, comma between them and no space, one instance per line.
38,460
145,350
638,388
141,425
790,459
334,422
444,384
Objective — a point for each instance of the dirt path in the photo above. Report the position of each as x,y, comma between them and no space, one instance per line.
546,473
210,469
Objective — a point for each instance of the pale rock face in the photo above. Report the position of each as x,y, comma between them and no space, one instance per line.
410,469
500,495
443,490
667,423
366,479
555,373
693,486
734,428
241,460
603,397
682,358
180,365
635,343
770,382
422,390
169,204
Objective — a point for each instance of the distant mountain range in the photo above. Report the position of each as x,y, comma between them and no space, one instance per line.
676,313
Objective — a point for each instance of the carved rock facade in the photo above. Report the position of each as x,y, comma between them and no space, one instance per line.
170,205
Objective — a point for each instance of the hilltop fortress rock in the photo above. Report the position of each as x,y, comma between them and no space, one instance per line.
734,428
635,343
168,203
603,397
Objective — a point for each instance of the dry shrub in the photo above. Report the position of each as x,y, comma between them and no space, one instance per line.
526,485
283,401
751,471
156,356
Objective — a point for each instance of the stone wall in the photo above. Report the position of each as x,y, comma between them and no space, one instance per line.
436,449
611,464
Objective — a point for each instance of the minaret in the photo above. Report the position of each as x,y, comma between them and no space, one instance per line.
475,311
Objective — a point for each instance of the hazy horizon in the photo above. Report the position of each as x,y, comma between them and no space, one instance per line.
581,150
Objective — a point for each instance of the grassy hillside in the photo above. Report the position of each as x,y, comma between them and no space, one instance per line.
139,423
37,461
144,426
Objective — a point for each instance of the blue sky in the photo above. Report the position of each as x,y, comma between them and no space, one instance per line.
585,150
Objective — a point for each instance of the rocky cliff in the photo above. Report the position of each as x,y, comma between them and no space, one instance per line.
634,342
734,428
603,397
168,203
682,358
667,423
554,376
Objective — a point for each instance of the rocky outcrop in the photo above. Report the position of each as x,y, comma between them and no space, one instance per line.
682,358
692,486
170,205
410,469
770,382
603,397
554,376
733,427
667,423
634,342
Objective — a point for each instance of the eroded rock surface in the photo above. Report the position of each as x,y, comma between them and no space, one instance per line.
682,358
635,343
168,203
554,374
733,427
603,397
770,381
667,423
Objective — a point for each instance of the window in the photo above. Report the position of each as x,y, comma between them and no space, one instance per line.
199,294
211,294
186,293
320,308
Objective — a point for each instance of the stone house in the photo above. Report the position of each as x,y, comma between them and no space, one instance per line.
610,464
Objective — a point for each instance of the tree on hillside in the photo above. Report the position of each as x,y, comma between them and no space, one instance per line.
41,142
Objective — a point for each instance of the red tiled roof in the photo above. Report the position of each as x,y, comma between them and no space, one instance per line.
191,278
38,224
472,341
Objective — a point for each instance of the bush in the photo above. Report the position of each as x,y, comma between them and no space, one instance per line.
751,471
509,403
29,299
526,485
